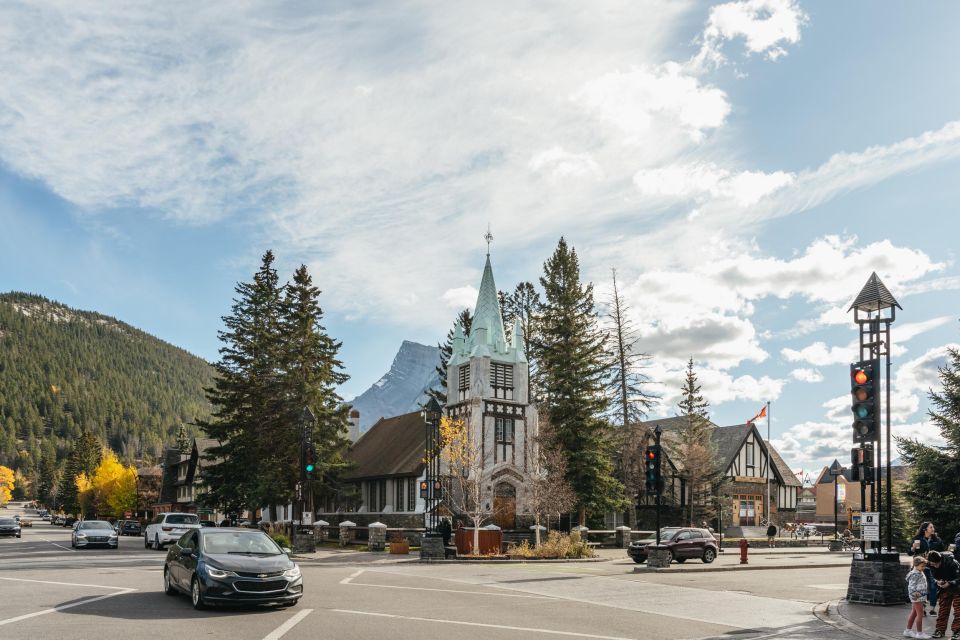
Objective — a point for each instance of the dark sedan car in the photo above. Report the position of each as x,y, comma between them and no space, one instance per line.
683,544
9,527
129,528
231,565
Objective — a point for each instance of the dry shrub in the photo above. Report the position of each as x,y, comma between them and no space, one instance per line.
556,546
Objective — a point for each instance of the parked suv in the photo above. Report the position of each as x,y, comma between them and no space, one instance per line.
683,544
168,527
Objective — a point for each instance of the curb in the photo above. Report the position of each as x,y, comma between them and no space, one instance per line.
829,613
738,567
511,561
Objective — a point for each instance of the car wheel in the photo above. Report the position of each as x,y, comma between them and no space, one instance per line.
146,542
709,555
168,587
669,557
73,544
681,560
639,560
196,598
156,542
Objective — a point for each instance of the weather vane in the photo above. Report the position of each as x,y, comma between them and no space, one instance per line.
489,238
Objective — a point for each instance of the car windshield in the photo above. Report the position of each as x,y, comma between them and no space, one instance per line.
242,542
182,519
96,524
7,521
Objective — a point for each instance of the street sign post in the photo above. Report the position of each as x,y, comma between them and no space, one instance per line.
870,521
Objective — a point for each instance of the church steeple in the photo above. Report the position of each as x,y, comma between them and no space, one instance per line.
487,315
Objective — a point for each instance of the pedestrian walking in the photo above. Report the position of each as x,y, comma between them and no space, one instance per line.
946,572
771,535
917,592
924,542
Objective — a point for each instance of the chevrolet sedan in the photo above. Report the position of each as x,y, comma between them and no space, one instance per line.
230,565
93,533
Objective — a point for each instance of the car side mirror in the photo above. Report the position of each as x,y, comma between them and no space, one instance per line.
285,549
186,552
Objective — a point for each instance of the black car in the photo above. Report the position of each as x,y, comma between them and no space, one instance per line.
129,528
231,565
69,522
682,543
9,527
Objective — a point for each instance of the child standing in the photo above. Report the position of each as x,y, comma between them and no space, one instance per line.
917,590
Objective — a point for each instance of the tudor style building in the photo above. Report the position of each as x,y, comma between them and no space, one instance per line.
745,456
487,386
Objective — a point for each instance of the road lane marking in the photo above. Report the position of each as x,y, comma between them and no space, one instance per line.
473,593
280,631
486,625
58,545
351,577
118,592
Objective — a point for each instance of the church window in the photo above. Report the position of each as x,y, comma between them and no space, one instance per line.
398,494
501,378
504,440
463,381
411,494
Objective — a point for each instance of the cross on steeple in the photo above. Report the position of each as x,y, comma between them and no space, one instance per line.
489,238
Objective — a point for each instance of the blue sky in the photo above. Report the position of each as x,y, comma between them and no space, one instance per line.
744,165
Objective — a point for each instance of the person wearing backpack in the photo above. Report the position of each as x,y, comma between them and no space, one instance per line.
924,542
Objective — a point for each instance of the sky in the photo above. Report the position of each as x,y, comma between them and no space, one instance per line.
744,166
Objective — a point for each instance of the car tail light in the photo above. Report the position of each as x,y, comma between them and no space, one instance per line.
167,528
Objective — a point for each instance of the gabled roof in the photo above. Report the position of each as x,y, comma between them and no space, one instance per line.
392,447
790,479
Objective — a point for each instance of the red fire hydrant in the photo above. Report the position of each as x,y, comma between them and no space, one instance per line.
743,550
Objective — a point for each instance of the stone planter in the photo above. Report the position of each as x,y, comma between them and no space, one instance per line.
658,558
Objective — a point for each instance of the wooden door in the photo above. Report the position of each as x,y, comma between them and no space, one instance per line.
505,506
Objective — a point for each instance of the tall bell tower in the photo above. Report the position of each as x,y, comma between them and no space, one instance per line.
487,387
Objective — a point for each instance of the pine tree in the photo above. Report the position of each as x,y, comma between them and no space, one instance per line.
311,374
573,364
84,459
465,320
183,441
504,299
244,393
524,303
932,489
695,454
47,480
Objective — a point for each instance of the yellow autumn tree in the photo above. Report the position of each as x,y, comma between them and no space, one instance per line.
462,460
7,483
85,497
114,486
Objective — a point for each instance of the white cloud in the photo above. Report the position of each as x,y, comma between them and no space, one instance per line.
819,354
806,375
461,297
635,100
765,25
564,164
700,180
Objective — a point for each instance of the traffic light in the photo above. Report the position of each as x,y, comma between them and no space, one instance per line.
864,387
652,463
423,489
861,464
310,459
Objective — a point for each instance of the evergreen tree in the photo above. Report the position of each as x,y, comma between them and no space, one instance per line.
465,320
311,374
573,364
695,453
183,441
47,480
504,299
524,303
932,489
244,393
84,459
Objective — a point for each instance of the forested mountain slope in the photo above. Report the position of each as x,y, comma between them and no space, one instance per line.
63,371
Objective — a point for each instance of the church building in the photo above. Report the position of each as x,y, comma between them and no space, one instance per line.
487,387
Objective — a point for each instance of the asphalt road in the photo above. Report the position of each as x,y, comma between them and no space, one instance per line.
48,590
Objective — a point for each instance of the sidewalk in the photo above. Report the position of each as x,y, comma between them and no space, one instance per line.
871,621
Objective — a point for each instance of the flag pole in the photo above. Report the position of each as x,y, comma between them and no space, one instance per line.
769,462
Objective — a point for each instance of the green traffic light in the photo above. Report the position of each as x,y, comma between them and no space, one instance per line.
309,468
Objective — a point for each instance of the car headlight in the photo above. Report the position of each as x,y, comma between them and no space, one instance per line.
292,574
81,535
213,572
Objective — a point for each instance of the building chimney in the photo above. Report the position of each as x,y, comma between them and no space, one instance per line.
354,425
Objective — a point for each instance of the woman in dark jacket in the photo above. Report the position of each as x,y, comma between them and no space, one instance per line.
924,542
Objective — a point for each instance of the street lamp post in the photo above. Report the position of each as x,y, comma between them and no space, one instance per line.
836,471
431,546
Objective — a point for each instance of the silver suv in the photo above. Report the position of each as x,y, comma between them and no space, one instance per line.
168,527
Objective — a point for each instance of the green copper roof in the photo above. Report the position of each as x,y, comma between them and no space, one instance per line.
487,313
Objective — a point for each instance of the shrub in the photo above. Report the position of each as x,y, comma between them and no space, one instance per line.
555,546
281,540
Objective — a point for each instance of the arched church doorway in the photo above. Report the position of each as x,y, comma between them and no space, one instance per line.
505,505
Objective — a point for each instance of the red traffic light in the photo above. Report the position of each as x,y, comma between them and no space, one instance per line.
861,377
651,455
